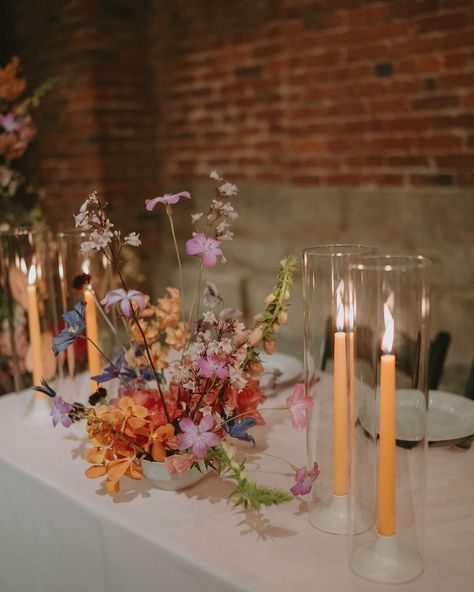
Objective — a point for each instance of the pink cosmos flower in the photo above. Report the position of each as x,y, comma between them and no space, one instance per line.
167,199
125,299
297,404
304,480
212,365
199,438
179,463
9,123
205,246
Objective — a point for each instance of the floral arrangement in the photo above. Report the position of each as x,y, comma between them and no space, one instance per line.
17,130
188,386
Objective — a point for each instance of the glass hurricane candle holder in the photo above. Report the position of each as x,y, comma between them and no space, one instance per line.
28,313
326,318
389,297
84,278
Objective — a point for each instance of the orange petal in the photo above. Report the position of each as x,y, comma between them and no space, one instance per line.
135,422
136,471
112,486
140,411
117,468
158,451
95,471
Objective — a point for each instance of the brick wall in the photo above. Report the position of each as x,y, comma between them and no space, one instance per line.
320,93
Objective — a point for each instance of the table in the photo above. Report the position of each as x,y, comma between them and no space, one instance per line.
60,532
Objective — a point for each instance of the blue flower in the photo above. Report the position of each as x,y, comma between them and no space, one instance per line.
75,325
45,388
110,371
238,429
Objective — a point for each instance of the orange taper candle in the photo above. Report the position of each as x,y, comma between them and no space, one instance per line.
387,432
92,332
34,329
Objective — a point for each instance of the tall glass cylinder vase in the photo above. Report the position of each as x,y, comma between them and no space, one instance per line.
84,278
325,270
28,309
389,297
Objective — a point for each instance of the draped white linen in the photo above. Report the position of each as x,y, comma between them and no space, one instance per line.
60,532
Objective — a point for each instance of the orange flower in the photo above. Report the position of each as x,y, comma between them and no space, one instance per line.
160,438
176,336
11,87
169,308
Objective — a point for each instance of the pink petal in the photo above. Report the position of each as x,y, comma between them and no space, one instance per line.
186,441
211,439
193,246
125,307
151,203
209,259
222,372
200,447
187,425
206,423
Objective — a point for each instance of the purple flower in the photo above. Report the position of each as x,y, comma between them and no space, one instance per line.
212,365
60,412
304,480
167,199
125,299
205,246
9,123
199,438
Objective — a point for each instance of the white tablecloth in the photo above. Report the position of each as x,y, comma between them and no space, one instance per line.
60,532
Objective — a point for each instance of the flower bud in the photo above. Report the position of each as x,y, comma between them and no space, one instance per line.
282,317
258,318
255,336
286,295
276,327
269,299
269,347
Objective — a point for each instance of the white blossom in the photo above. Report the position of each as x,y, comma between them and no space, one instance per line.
132,239
215,175
228,189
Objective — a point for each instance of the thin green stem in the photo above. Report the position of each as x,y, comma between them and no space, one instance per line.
196,291
101,310
294,467
283,408
170,218
97,348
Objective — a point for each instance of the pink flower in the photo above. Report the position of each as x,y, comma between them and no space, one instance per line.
297,404
179,463
9,123
212,365
125,299
167,199
304,480
199,438
205,246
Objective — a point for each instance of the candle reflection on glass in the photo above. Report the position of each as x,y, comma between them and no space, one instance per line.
340,411
34,328
92,330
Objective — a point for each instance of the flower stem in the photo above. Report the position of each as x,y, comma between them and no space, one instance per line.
170,218
282,408
101,310
97,348
145,343
195,295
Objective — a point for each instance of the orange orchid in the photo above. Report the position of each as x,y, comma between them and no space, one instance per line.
160,438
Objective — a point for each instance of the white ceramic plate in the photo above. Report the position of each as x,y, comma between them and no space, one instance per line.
450,417
290,367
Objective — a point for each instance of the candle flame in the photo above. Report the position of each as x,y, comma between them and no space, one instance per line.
23,267
85,266
32,275
339,307
387,341
61,270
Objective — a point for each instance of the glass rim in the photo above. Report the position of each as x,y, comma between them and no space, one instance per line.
339,250
391,263
22,231
69,232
